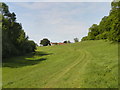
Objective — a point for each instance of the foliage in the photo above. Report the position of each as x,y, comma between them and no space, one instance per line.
67,41
108,28
84,38
14,40
76,40
45,42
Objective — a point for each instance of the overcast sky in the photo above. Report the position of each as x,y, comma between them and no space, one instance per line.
58,21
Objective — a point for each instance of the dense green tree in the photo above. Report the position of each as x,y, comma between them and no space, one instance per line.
114,34
45,42
14,40
109,27
93,32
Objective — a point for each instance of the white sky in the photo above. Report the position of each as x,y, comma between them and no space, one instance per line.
58,21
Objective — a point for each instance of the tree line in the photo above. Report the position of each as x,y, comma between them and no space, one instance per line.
109,26
14,40
46,42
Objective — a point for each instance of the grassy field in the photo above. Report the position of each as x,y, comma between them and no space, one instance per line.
89,64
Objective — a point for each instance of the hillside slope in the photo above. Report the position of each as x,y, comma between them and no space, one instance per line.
88,64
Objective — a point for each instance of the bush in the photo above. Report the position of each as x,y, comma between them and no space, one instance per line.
45,42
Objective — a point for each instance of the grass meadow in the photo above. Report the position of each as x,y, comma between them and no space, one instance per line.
88,64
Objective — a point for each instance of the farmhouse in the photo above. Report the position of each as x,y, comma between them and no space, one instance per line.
57,43
61,43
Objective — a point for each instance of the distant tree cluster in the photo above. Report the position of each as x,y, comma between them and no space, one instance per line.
67,41
108,28
76,40
45,42
14,40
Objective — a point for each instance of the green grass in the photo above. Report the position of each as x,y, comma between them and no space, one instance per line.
88,64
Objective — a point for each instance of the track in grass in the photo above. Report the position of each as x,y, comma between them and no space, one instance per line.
79,65
55,77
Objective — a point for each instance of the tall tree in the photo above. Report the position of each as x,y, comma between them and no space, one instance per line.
14,40
108,27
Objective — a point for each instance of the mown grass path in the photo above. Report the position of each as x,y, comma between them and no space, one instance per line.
90,64
57,76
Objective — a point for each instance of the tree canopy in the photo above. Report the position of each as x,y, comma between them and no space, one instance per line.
67,41
45,42
109,27
14,40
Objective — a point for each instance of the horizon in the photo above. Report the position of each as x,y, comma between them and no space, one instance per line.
58,21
